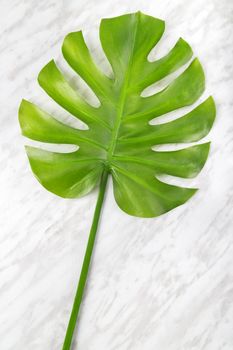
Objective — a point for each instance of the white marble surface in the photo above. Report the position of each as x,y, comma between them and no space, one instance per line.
164,283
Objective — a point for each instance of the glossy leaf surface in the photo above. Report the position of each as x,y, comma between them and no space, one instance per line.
120,136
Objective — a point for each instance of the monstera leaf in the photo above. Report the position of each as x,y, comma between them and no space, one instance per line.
119,137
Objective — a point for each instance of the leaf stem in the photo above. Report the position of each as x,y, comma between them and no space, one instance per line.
86,264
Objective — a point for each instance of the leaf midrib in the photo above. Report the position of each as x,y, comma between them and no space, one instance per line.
123,95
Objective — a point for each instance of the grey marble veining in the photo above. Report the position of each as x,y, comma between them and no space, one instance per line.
164,283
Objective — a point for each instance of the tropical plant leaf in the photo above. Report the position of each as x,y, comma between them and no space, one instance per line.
119,136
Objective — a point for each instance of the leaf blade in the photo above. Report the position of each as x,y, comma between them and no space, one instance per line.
120,137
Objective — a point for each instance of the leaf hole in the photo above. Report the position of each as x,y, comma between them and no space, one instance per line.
178,113
160,85
53,147
78,84
175,146
163,47
178,181
93,43
47,104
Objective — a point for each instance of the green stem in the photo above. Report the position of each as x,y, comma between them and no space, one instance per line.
86,264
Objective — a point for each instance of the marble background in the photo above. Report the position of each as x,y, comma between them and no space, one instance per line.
164,283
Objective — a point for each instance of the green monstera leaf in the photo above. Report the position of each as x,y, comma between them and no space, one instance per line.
119,138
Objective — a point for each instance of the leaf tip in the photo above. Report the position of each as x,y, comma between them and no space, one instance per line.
69,39
21,106
21,114
42,76
212,102
185,44
194,191
212,108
